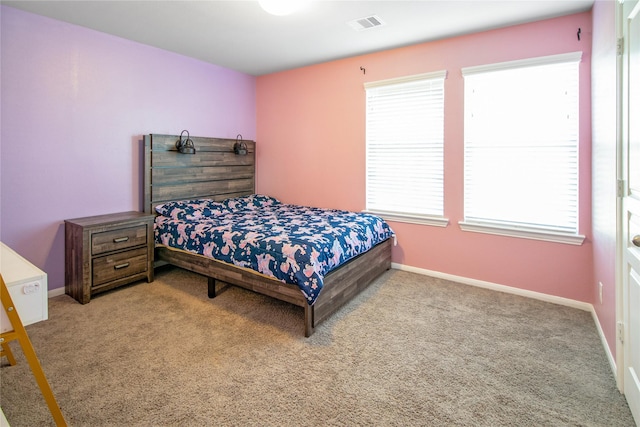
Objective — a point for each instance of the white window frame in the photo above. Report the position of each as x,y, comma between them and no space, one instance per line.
513,229
377,140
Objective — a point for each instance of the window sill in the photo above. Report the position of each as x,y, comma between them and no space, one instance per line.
435,221
524,233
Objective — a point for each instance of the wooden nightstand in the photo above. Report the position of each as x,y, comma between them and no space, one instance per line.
106,251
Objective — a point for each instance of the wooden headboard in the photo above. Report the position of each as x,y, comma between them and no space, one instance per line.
214,171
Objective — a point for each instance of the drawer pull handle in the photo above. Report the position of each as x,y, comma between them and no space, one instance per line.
119,266
636,240
120,239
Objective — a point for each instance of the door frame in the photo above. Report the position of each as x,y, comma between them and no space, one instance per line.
620,240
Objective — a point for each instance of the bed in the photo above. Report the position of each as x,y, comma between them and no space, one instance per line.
207,188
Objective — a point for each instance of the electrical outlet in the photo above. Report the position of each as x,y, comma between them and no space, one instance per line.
600,286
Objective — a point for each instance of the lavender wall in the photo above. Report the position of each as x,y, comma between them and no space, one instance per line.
75,106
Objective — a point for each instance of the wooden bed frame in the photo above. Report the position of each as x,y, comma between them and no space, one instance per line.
216,172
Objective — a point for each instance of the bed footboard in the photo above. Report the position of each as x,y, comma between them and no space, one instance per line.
343,284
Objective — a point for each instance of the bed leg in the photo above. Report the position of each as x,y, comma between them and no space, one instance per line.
212,287
308,321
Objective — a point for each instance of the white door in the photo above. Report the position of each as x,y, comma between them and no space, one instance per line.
631,203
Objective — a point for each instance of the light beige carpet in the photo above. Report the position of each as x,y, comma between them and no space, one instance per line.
409,351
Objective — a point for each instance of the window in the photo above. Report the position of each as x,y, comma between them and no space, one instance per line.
521,148
405,148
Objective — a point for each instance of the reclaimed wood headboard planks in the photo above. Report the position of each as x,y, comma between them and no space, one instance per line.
214,171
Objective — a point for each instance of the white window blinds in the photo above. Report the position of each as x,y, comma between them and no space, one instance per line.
405,146
521,144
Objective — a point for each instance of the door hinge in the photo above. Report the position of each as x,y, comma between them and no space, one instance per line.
620,46
620,188
620,332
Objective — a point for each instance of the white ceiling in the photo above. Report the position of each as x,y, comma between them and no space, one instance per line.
241,36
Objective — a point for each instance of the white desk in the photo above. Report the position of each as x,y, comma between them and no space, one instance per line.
27,286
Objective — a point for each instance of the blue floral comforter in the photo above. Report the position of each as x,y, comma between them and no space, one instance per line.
294,244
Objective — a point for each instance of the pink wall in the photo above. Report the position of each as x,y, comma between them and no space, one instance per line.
604,76
75,105
311,150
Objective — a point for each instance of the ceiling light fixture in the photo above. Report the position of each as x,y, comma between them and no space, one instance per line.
282,7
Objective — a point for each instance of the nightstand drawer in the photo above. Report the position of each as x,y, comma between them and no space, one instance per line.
117,266
122,238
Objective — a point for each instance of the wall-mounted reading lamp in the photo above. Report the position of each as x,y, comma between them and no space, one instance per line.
240,148
185,145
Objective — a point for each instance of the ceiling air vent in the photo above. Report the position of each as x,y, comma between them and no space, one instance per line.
367,23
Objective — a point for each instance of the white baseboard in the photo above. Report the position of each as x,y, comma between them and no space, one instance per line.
55,292
496,287
605,344
521,292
